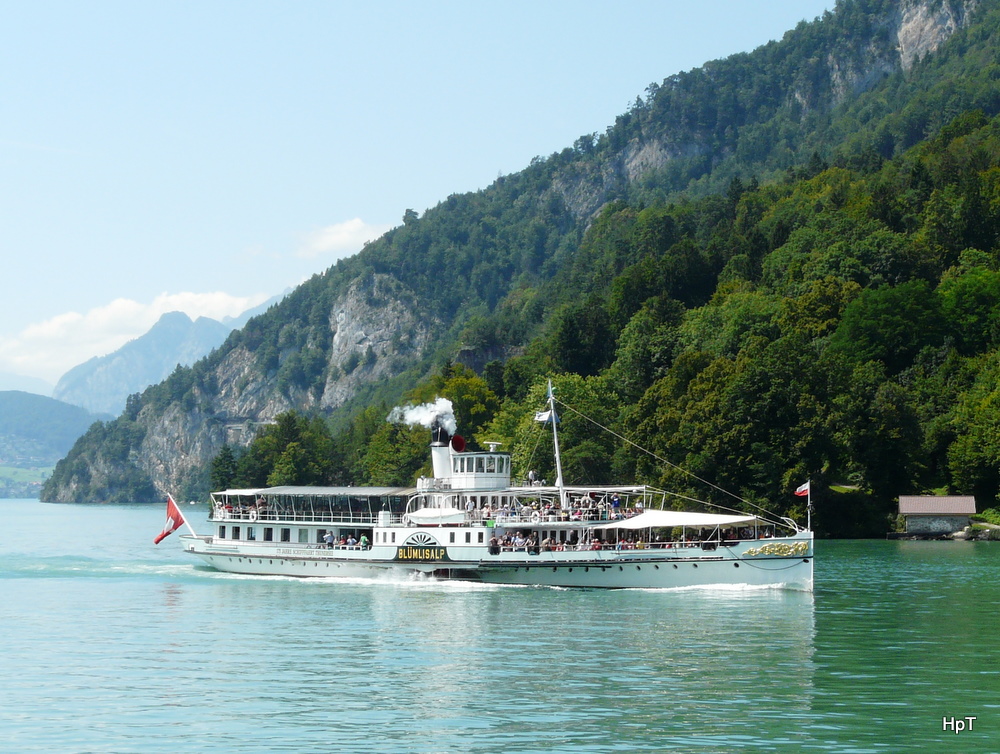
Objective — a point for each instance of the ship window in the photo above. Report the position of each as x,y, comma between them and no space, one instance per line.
286,535
394,537
464,466
480,537
222,532
479,464
468,537
455,465
303,536
268,534
236,532
491,464
451,538
251,534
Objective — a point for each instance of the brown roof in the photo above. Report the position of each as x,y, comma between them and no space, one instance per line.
929,505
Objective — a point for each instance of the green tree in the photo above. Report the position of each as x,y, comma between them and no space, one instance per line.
582,339
890,325
223,470
974,456
294,450
971,306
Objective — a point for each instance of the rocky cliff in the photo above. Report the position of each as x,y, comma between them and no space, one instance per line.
890,42
374,330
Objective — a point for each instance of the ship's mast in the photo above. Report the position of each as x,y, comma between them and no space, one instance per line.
555,440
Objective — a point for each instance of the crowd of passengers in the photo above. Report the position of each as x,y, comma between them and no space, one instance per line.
583,508
346,540
527,541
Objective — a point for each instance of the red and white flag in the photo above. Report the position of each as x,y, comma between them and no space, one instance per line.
174,521
802,490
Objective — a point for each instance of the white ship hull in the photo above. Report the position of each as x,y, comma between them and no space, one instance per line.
783,562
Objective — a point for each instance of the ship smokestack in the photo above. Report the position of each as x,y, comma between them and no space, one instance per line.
439,417
440,449
440,436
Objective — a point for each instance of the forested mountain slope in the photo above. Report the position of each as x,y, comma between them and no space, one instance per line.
728,331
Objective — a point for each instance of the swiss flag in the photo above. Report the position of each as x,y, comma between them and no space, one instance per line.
174,521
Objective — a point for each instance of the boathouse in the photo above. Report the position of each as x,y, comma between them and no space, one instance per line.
936,514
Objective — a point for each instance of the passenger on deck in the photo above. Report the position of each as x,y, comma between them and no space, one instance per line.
328,538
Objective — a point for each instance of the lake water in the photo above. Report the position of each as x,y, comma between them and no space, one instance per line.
111,644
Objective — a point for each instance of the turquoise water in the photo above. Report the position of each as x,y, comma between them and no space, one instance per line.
110,644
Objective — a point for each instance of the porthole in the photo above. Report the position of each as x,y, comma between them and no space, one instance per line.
587,569
736,565
571,570
656,567
638,568
620,568
553,569
675,565
695,565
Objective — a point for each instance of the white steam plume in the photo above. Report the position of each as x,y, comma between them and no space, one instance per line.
425,414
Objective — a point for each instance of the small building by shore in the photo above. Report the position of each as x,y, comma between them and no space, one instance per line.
936,515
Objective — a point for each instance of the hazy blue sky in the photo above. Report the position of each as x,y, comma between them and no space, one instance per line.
204,156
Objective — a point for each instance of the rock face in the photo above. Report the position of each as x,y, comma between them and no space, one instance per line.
913,29
921,27
373,327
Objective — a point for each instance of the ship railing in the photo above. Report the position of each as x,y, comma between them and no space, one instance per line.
597,515
297,545
296,517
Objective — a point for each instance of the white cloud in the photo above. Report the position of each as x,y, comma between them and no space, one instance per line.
49,349
340,240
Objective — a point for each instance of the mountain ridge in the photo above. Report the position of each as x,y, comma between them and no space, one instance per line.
502,246
102,384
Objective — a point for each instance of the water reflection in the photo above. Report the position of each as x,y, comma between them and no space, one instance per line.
646,669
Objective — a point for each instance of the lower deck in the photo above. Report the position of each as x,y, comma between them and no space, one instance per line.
569,554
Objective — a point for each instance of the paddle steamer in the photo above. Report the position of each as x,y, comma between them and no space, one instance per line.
468,522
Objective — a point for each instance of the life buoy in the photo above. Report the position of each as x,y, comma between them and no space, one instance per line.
536,517
253,515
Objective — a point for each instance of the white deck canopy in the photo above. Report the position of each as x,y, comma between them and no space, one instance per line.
669,519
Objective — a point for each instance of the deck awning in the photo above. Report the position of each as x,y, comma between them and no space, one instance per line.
669,519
